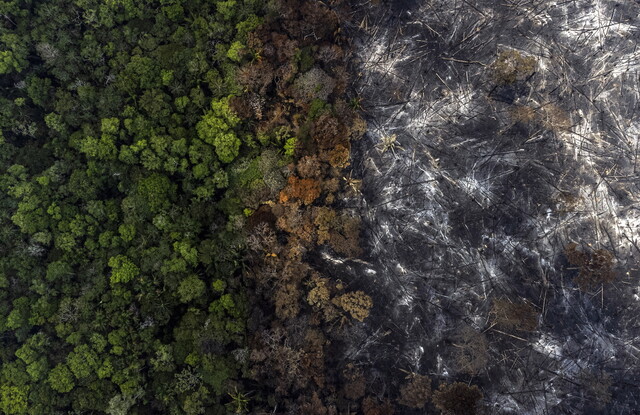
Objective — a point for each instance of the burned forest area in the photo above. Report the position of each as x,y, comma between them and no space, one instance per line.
499,203
319,207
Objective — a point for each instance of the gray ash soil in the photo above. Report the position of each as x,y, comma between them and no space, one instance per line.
485,186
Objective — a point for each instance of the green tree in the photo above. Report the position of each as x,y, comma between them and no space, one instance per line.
216,128
13,399
123,270
191,288
103,148
14,57
155,192
61,379
236,51
83,361
19,315
38,369
120,404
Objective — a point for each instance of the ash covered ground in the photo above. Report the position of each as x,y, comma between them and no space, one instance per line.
501,133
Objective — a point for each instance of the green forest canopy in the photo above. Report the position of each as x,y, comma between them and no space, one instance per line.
123,175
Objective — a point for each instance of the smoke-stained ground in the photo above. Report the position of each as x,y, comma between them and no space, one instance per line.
500,134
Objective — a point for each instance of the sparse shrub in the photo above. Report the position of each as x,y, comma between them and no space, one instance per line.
511,66
471,350
514,315
523,114
354,382
416,392
371,406
567,202
555,118
596,267
457,399
312,405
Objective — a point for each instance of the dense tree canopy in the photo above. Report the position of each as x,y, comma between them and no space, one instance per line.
116,134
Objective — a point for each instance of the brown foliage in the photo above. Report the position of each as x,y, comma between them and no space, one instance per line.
342,232
329,132
371,406
287,301
320,294
289,356
325,220
310,167
358,127
297,222
354,123
255,40
314,405
288,362
294,270
471,350
256,76
346,241
309,20
457,399
331,185
341,77
284,76
277,361
313,359
284,48
596,267
319,297
354,382
416,392
240,105
345,244
339,156
356,303
294,251
276,116
305,190
514,315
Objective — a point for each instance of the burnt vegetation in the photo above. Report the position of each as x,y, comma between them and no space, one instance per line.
300,312
499,182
